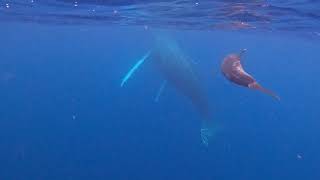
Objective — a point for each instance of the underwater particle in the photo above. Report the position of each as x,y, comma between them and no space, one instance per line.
197,3
75,4
299,156
7,5
74,117
115,11
146,27
241,25
32,1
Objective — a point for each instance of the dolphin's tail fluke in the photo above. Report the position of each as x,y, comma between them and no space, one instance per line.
134,68
257,86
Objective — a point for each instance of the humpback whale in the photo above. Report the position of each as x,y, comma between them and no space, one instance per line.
170,61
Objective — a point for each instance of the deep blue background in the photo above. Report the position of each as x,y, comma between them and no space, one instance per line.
48,74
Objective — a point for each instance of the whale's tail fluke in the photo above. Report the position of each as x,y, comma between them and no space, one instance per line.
134,68
257,86
208,131
205,135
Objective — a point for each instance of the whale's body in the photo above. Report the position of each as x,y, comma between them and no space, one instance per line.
177,69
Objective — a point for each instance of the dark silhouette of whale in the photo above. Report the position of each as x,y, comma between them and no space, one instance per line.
232,69
176,68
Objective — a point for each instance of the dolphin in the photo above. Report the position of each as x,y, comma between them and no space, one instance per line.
232,69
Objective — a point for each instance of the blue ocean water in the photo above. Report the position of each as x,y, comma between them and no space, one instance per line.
64,114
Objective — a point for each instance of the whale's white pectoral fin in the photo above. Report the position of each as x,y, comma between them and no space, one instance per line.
134,68
163,85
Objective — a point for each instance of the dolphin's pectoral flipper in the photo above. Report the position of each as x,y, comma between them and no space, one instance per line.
163,85
134,68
